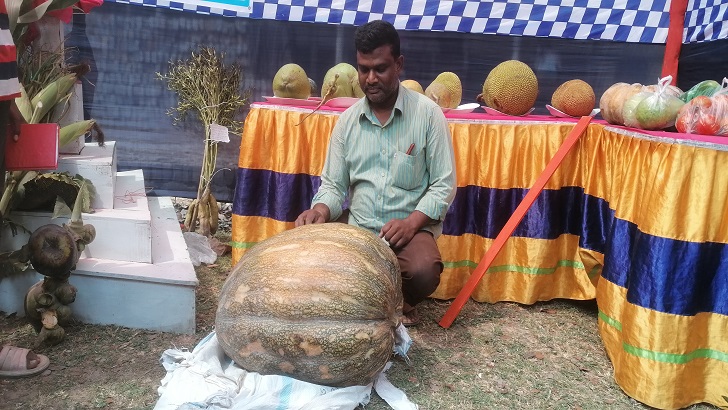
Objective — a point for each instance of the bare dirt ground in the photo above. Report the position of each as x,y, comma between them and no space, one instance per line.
495,356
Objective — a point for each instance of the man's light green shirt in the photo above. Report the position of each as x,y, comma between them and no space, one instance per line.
369,161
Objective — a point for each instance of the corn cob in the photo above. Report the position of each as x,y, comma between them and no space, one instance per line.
74,130
50,95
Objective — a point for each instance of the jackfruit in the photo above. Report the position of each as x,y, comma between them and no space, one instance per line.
412,85
291,81
342,85
358,92
446,90
439,93
511,87
574,97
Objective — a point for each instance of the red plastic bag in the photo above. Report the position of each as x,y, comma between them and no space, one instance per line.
705,115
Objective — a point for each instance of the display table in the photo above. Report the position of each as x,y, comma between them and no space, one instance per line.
637,220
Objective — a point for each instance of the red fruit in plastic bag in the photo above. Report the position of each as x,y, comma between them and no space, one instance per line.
683,121
707,125
702,102
705,115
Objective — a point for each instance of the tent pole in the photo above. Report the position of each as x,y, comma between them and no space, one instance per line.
513,222
674,39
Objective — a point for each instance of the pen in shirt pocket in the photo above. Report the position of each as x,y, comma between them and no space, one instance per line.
411,147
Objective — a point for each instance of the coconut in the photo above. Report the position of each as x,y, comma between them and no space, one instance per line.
446,90
413,85
341,81
291,81
53,250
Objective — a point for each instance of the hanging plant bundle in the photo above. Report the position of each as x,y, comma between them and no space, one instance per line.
210,90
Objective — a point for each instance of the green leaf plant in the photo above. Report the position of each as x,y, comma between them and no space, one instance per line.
46,87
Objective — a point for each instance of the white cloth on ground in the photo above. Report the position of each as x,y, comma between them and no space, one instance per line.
207,378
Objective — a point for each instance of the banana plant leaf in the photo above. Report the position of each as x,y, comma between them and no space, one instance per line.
22,12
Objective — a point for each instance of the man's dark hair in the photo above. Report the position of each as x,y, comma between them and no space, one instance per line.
375,34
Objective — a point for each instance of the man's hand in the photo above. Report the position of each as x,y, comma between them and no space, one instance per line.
316,215
399,232
309,217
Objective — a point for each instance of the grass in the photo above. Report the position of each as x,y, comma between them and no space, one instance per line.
495,356
511,356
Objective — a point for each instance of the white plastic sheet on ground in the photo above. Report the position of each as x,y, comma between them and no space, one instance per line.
207,378
199,248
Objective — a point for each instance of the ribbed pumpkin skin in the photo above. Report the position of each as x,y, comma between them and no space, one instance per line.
318,303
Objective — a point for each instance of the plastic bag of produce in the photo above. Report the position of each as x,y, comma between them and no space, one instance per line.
629,109
706,88
669,89
705,115
658,110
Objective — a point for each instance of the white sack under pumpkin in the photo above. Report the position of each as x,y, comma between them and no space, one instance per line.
206,378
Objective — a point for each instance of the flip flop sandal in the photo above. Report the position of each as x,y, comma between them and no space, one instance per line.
14,362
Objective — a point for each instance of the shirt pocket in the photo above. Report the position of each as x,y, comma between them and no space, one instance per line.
408,170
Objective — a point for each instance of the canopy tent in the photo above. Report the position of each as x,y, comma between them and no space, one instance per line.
599,41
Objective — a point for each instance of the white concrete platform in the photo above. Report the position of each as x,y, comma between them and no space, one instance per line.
137,272
123,233
97,164
157,296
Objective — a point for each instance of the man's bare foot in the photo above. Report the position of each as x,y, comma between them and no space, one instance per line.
21,362
410,316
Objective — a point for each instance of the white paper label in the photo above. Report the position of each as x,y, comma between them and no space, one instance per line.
219,133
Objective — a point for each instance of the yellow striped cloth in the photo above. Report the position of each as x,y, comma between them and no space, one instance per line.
637,222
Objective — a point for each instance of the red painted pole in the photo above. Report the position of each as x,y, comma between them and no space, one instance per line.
513,222
674,39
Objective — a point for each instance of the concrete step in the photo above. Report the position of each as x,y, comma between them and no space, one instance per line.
97,164
158,296
123,231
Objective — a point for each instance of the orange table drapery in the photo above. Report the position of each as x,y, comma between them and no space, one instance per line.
618,221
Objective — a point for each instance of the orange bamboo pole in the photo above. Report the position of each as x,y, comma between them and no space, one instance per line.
513,222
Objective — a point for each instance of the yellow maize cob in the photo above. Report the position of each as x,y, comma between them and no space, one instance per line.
50,95
74,130
23,104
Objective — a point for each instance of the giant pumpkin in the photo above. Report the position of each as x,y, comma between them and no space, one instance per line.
319,303
611,104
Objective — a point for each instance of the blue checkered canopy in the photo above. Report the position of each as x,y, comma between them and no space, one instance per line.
634,21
